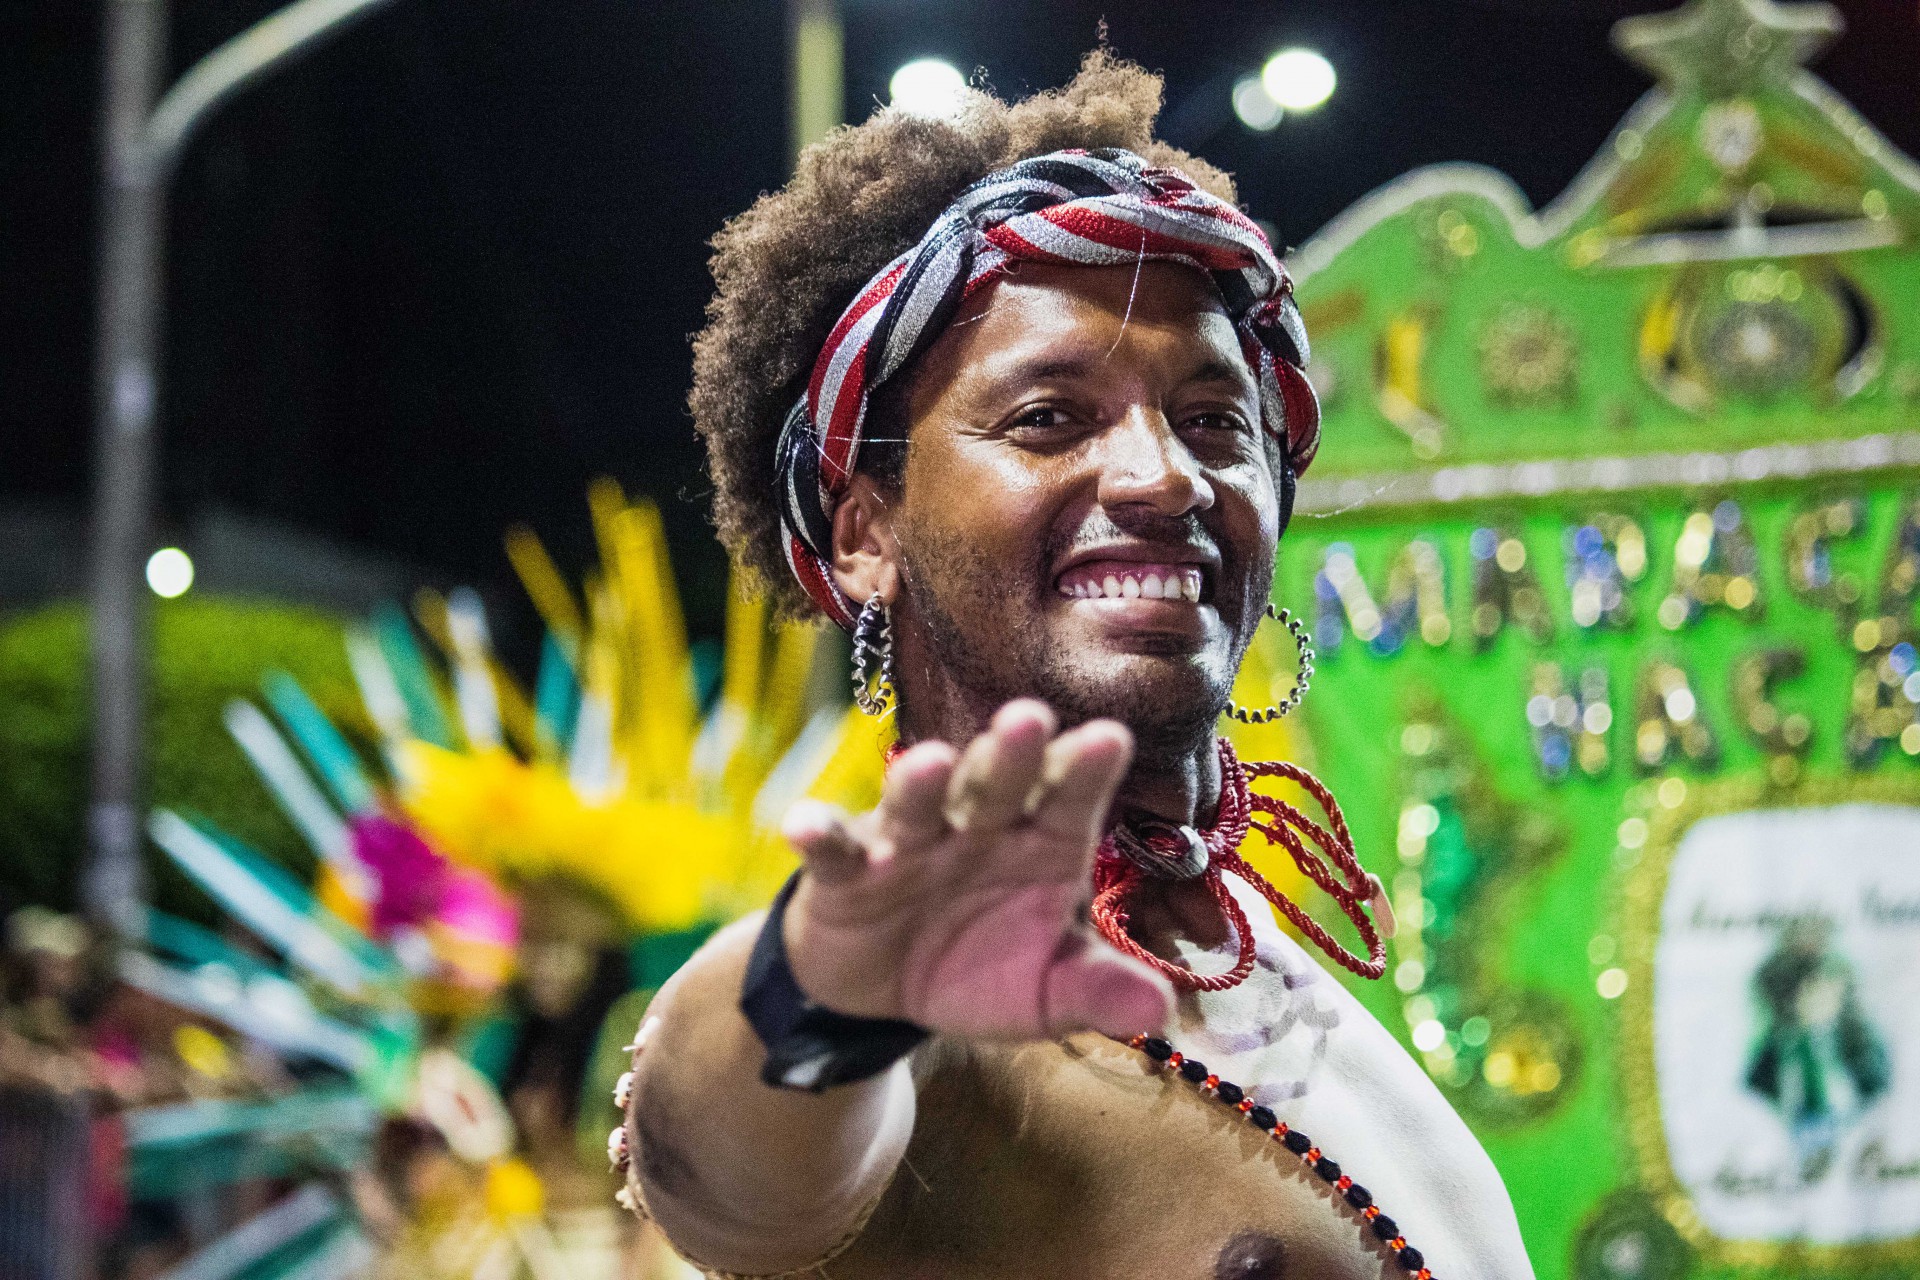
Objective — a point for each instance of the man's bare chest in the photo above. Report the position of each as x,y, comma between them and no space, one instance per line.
1079,1160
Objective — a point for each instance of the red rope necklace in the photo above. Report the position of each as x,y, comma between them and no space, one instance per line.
1132,852
1128,856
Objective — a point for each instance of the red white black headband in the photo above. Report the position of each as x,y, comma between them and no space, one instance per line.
1087,208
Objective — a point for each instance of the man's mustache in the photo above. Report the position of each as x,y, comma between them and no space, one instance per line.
1173,533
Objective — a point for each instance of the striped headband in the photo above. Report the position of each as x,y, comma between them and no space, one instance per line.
1089,208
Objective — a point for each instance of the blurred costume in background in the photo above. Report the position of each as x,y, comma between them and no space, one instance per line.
404,1066
1616,568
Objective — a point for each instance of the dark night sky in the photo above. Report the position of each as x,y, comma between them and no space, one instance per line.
434,279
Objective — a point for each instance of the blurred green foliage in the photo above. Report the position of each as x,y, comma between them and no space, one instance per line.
206,653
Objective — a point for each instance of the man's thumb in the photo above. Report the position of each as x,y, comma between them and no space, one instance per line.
1092,986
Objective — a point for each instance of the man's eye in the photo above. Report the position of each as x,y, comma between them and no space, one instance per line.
1218,421
1041,418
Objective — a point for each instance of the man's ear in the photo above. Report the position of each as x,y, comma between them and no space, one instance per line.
866,559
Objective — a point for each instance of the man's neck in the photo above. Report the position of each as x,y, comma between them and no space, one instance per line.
1181,787
1178,785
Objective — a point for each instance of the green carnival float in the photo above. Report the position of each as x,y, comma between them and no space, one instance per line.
1614,549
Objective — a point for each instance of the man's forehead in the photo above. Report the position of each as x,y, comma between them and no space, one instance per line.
1045,313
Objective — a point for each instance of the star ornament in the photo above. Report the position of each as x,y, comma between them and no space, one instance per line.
1722,47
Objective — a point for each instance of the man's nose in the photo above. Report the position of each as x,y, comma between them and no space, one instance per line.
1144,463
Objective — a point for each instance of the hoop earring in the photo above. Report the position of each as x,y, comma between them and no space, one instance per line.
1302,641
873,658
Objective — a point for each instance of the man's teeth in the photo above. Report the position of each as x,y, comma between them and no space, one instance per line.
1179,584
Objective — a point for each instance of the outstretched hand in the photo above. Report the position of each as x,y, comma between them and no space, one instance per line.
959,903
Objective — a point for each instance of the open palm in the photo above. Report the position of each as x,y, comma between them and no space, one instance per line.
959,903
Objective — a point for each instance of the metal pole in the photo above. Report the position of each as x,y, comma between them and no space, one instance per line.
132,222
275,39
816,106
818,75
141,143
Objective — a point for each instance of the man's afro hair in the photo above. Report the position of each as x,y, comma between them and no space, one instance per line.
786,268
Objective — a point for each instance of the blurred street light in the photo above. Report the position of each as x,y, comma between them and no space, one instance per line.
1255,106
169,572
928,87
1298,79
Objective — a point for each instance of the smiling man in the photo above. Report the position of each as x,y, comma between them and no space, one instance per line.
1018,399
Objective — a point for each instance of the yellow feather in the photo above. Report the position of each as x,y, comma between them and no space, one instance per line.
544,585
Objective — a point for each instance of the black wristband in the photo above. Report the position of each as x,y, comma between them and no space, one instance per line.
810,1047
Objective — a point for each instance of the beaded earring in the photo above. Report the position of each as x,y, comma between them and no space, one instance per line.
1302,641
873,658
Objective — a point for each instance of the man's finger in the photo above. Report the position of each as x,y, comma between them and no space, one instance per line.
912,807
989,789
1090,986
826,844
1083,769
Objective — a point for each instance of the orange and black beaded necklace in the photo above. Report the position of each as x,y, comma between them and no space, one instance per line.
1136,851
1225,1092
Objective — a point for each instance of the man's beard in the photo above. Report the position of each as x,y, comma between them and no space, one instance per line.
1012,659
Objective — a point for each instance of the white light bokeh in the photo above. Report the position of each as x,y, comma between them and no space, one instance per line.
928,87
1255,106
1298,79
169,572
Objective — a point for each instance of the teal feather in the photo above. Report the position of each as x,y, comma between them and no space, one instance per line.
556,698
194,946
176,1149
278,1241
340,1251
267,1008
425,711
329,753
375,957
274,906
